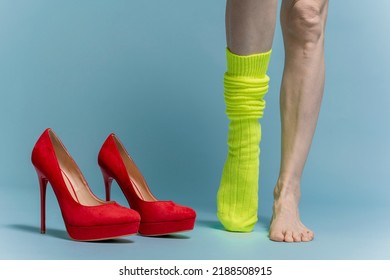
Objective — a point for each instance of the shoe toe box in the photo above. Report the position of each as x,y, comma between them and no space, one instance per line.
159,211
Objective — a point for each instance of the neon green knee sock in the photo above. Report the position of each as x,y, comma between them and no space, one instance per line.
245,84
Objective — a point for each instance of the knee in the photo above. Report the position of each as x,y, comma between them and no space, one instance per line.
305,20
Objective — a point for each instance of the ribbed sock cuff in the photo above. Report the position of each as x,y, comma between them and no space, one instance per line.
245,85
254,65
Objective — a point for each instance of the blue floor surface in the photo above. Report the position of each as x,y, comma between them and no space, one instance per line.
340,234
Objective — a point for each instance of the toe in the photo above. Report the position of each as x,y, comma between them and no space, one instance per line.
311,235
276,236
297,236
288,237
307,236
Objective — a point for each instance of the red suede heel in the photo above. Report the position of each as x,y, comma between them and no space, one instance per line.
85,216
157,217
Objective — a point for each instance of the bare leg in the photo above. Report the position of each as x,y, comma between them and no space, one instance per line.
303,25
250,25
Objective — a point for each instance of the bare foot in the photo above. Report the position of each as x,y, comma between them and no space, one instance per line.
286,224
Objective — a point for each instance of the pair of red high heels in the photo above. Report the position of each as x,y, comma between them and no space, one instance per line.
87,217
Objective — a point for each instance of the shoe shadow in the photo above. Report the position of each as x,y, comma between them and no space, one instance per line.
112,241
62,234
168,236
210,224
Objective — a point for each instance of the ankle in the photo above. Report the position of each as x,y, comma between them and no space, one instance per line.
287,188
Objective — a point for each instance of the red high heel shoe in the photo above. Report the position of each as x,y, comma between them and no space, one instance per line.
86,217
157,217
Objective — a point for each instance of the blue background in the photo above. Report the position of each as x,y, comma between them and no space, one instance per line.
151,71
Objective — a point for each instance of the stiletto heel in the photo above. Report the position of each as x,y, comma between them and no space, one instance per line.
85,216
157,217
107,183
42,186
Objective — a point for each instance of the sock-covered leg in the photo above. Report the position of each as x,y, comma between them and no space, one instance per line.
245,84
